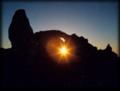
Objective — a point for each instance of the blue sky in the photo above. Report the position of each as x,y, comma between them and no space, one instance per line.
96,21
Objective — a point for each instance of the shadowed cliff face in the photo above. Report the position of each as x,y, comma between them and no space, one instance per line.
20,31
89,67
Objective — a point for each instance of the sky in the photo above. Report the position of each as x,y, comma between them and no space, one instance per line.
96,21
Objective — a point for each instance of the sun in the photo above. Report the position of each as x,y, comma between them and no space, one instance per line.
63,51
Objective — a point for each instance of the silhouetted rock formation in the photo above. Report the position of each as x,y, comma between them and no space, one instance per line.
28,64
20,31
108,48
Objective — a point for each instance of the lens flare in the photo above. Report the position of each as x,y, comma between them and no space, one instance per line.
62,39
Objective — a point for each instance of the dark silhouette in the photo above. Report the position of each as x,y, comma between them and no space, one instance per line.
20,30
28,64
